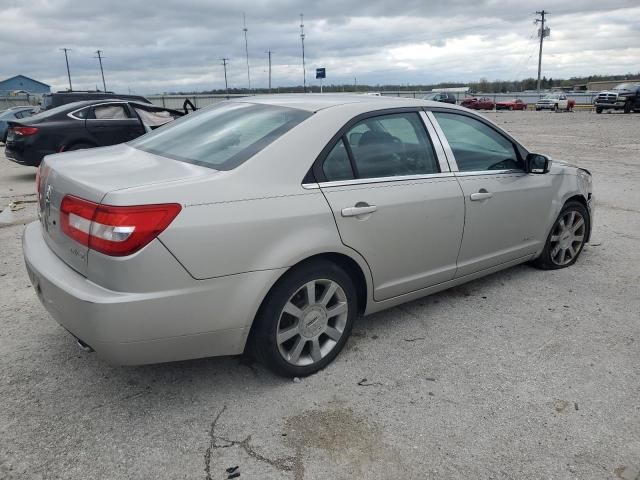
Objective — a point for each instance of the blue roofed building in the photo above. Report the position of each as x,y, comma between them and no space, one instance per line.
20,83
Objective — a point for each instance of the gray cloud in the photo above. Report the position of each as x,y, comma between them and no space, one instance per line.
170,45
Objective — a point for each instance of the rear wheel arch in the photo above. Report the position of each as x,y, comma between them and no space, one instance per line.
77,145
348,264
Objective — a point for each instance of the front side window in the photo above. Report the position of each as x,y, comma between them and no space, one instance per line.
221,137
385,146
476,146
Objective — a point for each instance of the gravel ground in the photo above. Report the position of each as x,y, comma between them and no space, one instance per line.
521,375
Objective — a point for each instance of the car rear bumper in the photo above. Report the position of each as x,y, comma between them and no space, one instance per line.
23,156
137,328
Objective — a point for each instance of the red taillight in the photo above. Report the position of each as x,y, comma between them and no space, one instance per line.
113,230
25,131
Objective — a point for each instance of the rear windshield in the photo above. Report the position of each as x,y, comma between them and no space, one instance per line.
221,137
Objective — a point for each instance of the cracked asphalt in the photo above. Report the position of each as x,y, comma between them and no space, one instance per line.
521,375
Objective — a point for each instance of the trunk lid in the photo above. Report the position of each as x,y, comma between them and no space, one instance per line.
91,175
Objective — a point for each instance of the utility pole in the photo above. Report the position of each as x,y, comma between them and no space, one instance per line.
540,20
68,71
304,68
104,85
269,54
224,64
246,48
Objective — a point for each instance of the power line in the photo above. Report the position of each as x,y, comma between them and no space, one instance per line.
246,48
224,64
104,85
66,58
543,33
304,68
269,55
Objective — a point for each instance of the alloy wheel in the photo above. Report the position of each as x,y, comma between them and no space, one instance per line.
312,322
567,238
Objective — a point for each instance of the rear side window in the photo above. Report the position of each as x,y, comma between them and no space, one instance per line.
391,145
222,137
476,146
110,112
337,165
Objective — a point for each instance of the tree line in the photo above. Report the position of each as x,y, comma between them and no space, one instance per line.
483,85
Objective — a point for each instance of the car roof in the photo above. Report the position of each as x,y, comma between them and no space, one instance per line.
88,103
314,102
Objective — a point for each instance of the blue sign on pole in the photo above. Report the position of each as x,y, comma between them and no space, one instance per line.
321,73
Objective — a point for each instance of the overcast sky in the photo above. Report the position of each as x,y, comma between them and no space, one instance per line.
164,45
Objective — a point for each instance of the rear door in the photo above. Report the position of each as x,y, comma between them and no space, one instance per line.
506,208
394,200
113,123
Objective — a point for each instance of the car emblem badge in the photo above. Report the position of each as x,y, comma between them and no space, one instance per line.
47,208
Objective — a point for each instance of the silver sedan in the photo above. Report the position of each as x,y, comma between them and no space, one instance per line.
270,223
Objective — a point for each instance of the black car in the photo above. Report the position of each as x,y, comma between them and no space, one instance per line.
57,99
445,97
82,125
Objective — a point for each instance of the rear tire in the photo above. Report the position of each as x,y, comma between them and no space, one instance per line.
566,238
305,320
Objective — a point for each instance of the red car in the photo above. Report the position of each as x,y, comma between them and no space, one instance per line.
515,104
484,103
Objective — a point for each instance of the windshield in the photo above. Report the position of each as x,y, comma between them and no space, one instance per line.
47,100
221,137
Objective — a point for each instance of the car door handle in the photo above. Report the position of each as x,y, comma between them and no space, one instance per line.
359,210
481,195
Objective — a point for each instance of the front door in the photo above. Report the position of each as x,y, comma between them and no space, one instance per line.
395,202
506,208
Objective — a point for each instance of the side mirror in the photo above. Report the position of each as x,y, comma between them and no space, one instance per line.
536,163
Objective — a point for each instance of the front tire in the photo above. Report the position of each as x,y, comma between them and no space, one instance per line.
305,320
627,107
566,239
598,109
